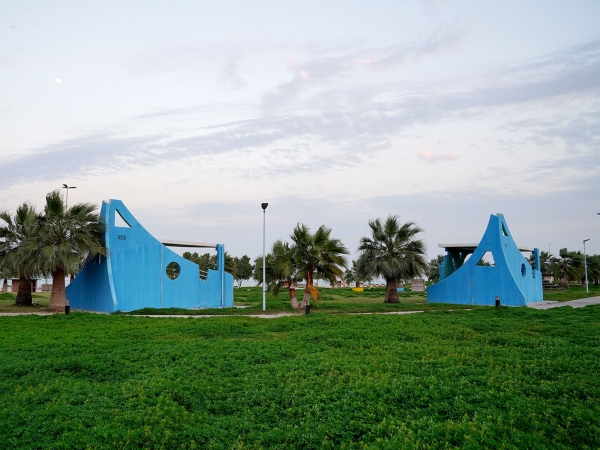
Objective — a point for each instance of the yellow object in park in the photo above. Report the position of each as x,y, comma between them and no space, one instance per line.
357,289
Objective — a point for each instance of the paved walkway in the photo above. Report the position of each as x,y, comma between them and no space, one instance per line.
260,316
573,303
202,316
179,316
26,314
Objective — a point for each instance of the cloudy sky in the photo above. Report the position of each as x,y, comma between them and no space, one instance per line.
334,112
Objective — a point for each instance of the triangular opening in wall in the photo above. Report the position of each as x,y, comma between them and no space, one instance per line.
487,259
119,221
504,232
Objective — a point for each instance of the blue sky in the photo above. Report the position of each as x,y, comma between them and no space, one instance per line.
193,113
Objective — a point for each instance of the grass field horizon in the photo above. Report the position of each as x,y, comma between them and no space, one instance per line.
485,378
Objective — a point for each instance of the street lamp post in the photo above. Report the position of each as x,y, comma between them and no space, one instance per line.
67,188
264,207
585,266
549,245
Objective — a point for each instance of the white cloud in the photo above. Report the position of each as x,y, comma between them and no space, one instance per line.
318,71
433,158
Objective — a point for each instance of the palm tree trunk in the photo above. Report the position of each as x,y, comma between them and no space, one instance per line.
24,293
391,292
305,298
5,286
293,298
307,289
58,298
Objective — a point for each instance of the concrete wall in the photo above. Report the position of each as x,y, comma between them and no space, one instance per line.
512,278
134,276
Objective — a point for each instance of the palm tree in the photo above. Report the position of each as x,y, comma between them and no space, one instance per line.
65,240
3,275
283,270
353,275
433,269
317,255
16,258
545,262
593,266
392,252
229,263
568,266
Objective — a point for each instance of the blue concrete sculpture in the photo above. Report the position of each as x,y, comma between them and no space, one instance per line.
512,279
134,275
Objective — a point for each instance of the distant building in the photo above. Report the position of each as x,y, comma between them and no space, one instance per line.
417,285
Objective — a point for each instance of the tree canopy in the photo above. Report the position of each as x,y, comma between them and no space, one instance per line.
65,240
433,269
17,258
353,275
317,254
54,242
393,252
243,269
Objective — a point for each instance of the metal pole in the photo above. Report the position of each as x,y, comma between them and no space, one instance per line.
67,197
549,245
587,290
264,207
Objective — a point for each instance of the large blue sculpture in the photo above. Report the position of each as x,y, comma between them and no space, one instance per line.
511,278
134,275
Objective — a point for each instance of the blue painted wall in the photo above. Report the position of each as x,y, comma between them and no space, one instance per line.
134,274
512,278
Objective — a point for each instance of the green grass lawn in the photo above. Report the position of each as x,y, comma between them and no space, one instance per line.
7,302
573,293
486,378
330,301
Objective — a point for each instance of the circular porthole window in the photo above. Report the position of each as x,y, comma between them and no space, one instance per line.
523,269
173,270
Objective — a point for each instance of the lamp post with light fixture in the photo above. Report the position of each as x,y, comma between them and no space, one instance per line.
67,200
264,208
587,290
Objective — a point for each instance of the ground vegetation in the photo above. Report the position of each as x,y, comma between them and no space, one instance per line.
486,378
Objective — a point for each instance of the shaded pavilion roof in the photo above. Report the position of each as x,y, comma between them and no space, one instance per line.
470,248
